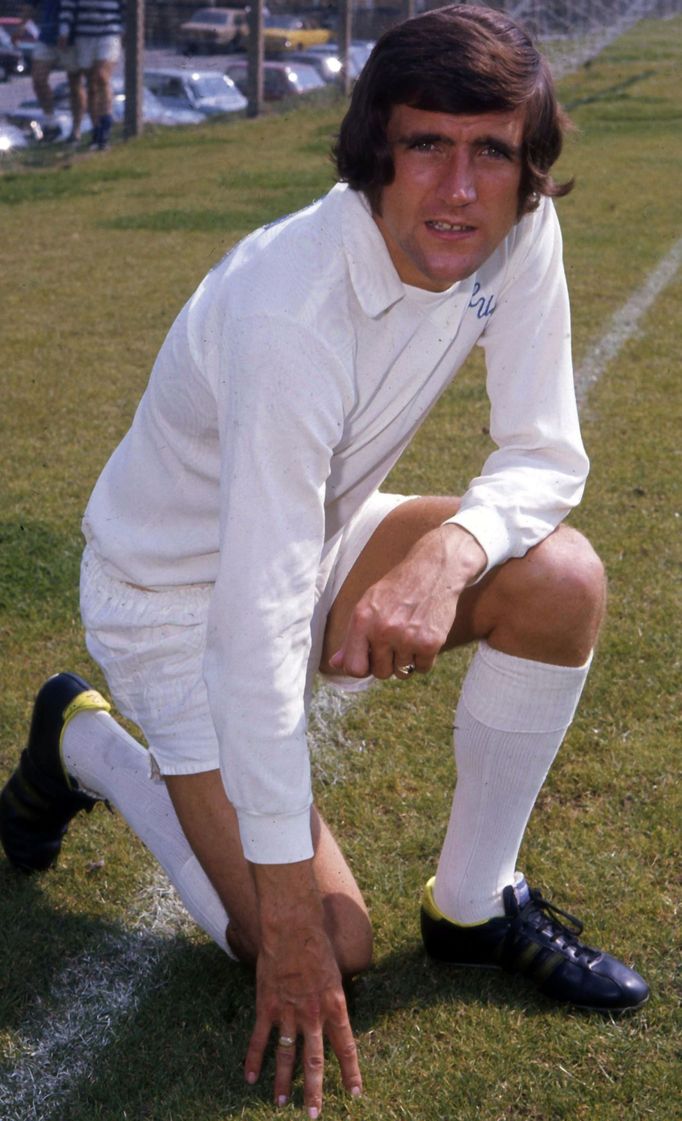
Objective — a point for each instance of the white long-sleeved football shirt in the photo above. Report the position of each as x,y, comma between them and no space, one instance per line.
284,393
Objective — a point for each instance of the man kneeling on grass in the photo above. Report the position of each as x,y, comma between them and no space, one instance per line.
237,544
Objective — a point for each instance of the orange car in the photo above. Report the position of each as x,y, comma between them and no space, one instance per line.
292,33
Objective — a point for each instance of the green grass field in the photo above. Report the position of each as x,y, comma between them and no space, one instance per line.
99,253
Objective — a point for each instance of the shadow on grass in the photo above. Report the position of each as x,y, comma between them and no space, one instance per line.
610,93
407,978
182,1054
70,180
194,221
39,570
178,1051
37,939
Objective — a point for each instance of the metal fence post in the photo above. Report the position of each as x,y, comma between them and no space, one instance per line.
134,63
254,79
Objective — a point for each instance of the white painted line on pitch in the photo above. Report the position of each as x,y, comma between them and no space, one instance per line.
61,1041
625,323
59,1044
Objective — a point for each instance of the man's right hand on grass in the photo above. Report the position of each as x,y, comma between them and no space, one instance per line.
299,990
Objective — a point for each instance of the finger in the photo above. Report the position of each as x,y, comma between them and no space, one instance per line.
313,1071
404,666
343,1043
256,1049
353,657
285,1060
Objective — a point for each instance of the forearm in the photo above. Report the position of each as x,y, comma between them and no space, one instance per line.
464,559
287,894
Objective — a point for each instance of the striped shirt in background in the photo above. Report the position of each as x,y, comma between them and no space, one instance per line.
90,19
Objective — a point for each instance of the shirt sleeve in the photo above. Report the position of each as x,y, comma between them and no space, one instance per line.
537,473
281,406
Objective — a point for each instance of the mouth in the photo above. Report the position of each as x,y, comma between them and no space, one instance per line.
441,226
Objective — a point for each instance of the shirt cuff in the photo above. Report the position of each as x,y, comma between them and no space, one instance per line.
275,838
489,529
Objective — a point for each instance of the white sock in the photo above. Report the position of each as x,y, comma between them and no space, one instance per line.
106,761
510,721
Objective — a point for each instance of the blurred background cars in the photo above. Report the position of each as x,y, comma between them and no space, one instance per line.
292,33
11,58
280,79
30,118
203,91
214,29
154,112
326,59
23,34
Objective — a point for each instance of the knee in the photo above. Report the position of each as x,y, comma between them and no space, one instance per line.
350,932
244,944
551,602
567,571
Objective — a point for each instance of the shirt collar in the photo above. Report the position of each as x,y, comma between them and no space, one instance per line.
373,275
372,272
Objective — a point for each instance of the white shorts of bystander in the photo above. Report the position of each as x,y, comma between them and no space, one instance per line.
99,48
55,58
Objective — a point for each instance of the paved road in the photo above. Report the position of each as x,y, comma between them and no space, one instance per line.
15,91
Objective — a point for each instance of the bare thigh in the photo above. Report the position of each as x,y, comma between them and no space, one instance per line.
389,544
546,606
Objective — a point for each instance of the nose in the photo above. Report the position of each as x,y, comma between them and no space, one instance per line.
458,181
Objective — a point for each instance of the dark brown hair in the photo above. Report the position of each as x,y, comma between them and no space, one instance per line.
458,59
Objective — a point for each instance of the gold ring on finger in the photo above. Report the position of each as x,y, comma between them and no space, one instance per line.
407,670
286,1041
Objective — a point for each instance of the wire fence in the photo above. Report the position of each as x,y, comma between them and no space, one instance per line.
574,28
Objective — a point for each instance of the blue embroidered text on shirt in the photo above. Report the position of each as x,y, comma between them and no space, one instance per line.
484,307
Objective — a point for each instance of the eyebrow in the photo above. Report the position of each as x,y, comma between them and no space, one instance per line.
511,150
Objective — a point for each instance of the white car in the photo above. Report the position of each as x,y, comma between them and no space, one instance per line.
202,91
214,29
31,119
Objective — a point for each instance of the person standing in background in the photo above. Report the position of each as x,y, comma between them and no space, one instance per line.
49,55
95,28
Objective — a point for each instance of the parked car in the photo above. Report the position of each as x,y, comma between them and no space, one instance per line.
292,33
280,79
31,119
326,59
19,29
153,112
11,58
214,29
204,91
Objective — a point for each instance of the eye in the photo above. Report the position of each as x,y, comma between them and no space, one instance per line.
424,144
495,152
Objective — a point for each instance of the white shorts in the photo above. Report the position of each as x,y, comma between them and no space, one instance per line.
98,48
150,646
57,59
